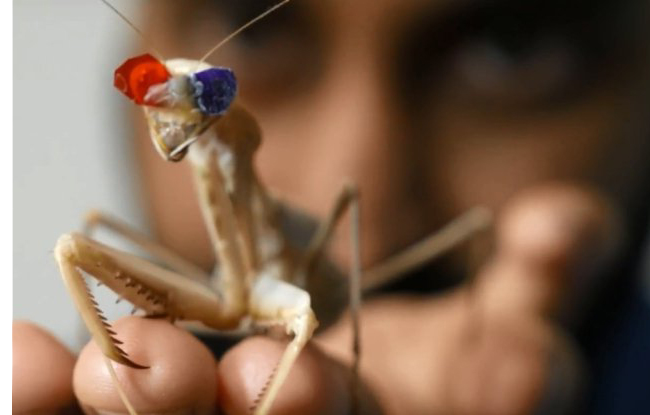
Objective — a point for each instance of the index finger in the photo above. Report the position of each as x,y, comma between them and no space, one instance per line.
181,378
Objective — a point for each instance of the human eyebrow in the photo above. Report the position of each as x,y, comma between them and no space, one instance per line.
599,34
238,12
459,19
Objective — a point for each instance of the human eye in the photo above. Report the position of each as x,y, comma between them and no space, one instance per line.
277,55
534,54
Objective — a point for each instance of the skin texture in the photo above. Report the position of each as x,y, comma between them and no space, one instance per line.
494,350
428,124
182,374
43,383
468,352
421,137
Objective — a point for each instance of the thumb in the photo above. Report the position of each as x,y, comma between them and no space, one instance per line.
552,242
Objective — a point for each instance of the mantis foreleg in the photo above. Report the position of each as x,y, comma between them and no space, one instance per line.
278,303
156,290
95,219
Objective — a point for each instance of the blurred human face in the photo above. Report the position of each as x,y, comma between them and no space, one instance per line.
431,106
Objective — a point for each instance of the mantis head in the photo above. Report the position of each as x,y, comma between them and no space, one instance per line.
181,98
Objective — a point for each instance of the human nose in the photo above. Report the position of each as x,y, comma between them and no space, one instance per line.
358,131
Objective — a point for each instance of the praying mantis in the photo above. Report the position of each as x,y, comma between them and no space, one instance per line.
272,272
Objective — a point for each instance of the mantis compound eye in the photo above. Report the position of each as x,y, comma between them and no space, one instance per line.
214,90
135,76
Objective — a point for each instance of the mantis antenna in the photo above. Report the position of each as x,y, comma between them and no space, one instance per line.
242,28
138,31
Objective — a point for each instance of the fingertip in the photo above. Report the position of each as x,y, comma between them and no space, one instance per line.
552,224
42,370
313,386
181,374
553,243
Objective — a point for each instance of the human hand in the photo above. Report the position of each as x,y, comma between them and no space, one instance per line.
183,376
491,352
497,346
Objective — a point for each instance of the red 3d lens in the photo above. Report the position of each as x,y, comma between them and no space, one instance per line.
135,76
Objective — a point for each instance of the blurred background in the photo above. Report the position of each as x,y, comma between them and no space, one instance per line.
67,121
431,106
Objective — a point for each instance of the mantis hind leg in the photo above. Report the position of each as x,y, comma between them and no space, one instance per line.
355,300
466,226
347,199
